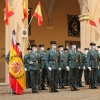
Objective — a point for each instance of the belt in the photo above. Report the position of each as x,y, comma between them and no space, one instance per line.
62,60
94,59
36,62
54,60
75,60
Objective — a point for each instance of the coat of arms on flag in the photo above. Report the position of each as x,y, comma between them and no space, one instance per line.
73,25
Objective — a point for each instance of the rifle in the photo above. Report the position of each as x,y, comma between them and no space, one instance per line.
50,82
90,83
70,82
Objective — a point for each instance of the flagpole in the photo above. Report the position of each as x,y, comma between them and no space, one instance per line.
30,22
28,27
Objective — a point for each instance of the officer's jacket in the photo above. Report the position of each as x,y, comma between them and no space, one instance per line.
42,59
72,58
99,60
35,58
8,55
81,60
62,60
52,59
85,60
26,65
92,58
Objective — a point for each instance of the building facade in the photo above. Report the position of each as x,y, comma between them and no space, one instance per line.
54,27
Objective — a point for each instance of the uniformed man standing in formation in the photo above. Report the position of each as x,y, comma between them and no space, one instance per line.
93,63
72,64
43,66
86,70
80,72
98,77
51,59
33,59
26,65
62,67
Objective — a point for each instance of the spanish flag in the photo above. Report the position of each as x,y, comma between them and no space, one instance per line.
38,14
16,68
24,11
91,19
8,12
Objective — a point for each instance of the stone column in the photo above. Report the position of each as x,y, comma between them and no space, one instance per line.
15,22
85,31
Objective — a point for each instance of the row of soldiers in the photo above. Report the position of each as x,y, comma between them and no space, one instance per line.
60,67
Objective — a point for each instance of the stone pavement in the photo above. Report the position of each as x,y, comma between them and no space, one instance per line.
65,94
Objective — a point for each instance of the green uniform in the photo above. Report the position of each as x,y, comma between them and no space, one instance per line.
79,78
92,61
51,60
28,81
98,78
72,60
63,68
44,69
86,71
34,69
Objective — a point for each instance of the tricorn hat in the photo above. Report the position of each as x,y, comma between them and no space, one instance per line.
48,48
33,45
92,44
41,45
72,43
53,42
65,49
98,46
17,43
60,46
29,49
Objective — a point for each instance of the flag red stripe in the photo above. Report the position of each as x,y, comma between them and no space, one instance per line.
25,14
92,23
15,85
15,47
99,20
37,16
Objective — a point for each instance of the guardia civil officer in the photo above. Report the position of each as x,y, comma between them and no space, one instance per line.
52,62
33,59
43,66
93,63
26,65
72,65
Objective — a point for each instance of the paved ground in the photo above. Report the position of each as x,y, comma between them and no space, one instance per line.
65,94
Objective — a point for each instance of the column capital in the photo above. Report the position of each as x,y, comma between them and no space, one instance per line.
83,17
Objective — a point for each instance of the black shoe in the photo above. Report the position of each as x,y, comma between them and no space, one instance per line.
44,88
36,91
80,85
75,89
33,91
94,88
56,91
13,93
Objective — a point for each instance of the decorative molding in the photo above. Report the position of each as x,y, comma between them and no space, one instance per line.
83,6
83,17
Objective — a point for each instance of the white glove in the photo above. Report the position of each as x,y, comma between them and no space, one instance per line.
79,67
84,67
31,62
98,67
68,68
40,70
25,69
49,68
59,68
89,68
